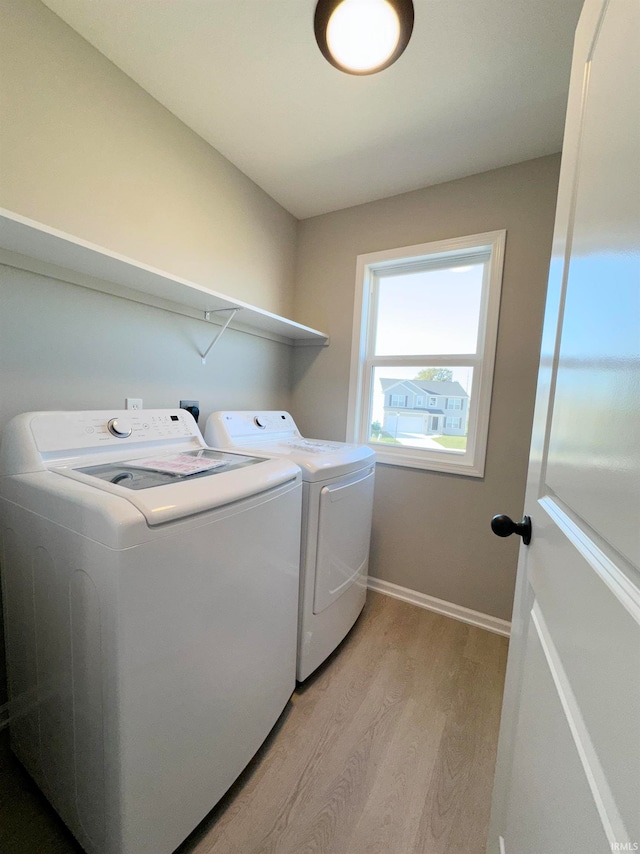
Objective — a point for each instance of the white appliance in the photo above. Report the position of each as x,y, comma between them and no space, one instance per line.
337,505
151,616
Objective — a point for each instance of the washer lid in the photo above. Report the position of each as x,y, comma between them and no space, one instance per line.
162,496
164,469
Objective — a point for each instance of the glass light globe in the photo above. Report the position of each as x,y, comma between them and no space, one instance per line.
362,34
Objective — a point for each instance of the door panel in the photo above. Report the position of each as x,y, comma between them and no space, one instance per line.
535,825
593,623
594,446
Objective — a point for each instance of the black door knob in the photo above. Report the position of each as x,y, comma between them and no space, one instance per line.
504,526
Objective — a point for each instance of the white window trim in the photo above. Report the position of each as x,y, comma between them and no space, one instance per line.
472,461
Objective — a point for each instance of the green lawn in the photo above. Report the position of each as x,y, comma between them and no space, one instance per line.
457,443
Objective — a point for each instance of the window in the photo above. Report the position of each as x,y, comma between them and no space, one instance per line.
427,316
398,400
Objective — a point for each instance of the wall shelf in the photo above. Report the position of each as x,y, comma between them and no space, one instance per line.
30,245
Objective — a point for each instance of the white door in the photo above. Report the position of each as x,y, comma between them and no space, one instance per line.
568,773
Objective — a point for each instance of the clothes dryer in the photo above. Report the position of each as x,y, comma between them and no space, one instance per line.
337,506
151,598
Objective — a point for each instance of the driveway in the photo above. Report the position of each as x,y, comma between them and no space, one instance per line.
418,440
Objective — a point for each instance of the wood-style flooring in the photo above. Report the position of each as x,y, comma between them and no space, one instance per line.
388,749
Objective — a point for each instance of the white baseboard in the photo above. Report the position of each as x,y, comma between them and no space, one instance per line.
449,609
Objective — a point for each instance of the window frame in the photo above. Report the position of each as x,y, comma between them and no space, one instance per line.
489,246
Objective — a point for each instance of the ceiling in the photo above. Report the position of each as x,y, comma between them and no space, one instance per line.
482,84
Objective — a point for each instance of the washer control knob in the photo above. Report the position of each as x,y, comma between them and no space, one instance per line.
259,421
120,428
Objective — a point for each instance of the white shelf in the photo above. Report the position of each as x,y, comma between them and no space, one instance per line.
33,246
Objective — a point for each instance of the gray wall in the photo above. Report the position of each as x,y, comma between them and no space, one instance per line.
431,530
84,149
67,347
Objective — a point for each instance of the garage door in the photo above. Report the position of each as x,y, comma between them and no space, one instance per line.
409,423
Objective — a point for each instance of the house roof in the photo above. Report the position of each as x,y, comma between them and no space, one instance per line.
433,387
453,389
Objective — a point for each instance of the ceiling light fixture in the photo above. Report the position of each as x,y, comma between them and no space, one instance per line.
363,36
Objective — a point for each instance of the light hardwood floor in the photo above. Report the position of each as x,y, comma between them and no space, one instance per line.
388,749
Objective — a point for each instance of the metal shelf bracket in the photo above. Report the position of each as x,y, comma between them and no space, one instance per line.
207,316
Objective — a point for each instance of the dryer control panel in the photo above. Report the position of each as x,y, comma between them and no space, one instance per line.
244,427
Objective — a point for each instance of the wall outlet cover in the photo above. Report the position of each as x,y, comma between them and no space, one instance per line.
133,402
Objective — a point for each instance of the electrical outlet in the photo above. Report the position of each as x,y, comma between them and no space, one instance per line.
133,402
192,406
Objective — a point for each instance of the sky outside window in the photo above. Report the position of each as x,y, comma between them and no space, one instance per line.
430,311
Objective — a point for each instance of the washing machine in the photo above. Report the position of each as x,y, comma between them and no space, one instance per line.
337,505
151,599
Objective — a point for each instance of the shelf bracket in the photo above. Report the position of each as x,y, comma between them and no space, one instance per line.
207,315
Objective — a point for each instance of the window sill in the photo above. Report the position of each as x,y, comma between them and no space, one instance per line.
449,464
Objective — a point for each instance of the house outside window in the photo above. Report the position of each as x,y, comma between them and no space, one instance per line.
425,328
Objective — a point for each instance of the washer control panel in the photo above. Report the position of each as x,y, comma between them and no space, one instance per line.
66,431
119,428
